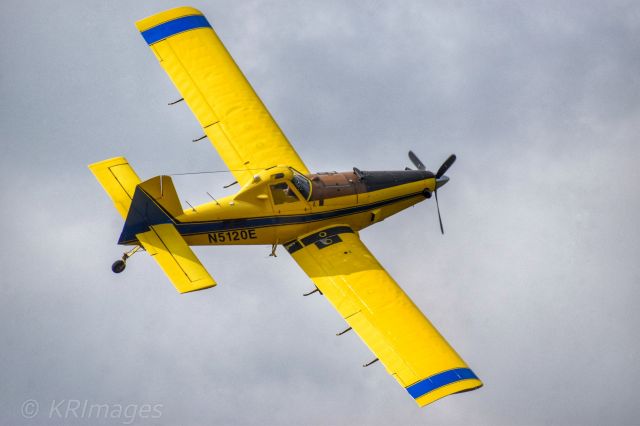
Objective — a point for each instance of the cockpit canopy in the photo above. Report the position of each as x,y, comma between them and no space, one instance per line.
285,184
281,190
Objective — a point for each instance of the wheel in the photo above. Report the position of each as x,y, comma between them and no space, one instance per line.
118,266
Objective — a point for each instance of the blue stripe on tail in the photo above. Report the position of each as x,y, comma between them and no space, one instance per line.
144,211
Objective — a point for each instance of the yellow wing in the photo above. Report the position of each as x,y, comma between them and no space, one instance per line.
233,117
382,315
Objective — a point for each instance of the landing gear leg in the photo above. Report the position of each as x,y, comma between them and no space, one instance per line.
273,250
119,265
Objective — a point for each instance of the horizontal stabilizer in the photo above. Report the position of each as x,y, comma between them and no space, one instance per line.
175,257
119,181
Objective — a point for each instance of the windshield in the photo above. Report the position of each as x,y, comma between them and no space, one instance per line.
302,185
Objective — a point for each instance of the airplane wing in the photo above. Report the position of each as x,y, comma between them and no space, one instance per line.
384,317
233,117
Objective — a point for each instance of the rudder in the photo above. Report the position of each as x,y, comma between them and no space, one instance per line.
162,190
154,202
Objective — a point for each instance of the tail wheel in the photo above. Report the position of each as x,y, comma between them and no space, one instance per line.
118,266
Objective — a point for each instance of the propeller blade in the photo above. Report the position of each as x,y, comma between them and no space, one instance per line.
416,161
439,217
445,166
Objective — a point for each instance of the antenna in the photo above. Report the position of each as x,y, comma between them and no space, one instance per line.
213,198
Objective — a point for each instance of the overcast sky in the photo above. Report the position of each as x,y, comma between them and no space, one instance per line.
536,282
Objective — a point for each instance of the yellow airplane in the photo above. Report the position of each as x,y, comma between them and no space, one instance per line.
315,216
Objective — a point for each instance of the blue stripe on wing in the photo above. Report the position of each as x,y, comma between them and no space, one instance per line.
439,380
167,29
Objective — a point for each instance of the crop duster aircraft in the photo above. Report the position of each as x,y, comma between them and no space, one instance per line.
315,216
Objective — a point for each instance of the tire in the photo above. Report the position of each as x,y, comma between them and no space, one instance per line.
118,266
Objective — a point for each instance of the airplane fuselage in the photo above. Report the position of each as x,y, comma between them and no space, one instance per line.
280,204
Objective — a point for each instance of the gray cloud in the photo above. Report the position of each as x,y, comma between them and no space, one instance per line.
535,282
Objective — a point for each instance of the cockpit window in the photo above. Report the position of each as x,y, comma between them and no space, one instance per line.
283,194
302,184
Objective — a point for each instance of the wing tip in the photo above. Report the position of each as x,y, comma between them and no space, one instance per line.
459,387
444,384
149,22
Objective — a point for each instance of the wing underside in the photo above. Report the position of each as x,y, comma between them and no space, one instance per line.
384,317
233,117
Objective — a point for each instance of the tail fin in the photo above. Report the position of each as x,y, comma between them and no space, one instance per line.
154,202
141,204
119,181
151,222
161,189
149,209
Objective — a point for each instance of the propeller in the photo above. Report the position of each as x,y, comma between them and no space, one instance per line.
416,161
439,177
445,166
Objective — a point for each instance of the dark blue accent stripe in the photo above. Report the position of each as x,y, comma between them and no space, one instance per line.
319,238
330,232
167,29
144,211
441,379
293,247
193,228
